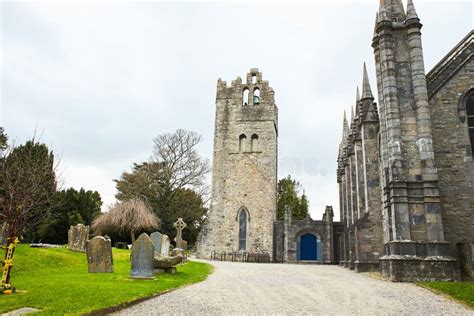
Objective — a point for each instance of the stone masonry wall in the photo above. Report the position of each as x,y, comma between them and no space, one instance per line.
453,155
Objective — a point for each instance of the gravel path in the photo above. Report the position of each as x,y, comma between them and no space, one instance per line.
248,288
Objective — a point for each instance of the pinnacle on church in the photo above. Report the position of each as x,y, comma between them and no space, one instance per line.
357,95
383,16
397,8
411,12
376,22
345,128
366,90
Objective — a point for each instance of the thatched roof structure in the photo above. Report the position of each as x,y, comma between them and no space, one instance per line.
130,217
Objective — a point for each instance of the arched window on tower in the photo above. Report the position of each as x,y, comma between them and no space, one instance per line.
254,144
245,97
243,229
256,96
242,141
470,118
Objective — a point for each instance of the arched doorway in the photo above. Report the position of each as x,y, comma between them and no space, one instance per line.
309,248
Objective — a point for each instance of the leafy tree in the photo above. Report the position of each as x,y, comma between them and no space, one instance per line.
172,182
28,181
73,207
288,191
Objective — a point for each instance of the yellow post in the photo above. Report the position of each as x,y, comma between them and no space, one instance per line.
7,288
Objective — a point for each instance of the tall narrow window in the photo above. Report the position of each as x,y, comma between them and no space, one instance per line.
245,97
242,229
254,143
470,118
256,96
242,141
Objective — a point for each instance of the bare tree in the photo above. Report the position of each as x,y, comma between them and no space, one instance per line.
130,217
28,184
181,165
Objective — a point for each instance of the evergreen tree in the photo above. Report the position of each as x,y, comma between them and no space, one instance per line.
288,191
72,207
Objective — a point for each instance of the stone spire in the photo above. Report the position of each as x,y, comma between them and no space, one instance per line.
382,16
411,12
366,90
345,129
357,95
375,26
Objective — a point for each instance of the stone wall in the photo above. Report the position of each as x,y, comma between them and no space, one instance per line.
452,150
287,236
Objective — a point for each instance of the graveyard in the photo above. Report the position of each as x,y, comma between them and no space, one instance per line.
57,281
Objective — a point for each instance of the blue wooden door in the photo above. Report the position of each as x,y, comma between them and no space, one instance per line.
308,247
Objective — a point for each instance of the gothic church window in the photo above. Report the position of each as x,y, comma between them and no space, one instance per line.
470,118
242,141
256,96
254,143
245,97
242,229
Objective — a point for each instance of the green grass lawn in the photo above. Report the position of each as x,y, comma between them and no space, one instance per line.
56,281
460,291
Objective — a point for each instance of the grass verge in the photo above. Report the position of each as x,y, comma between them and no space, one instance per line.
56,281
462,292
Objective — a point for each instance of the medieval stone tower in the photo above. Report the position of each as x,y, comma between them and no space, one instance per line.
244,176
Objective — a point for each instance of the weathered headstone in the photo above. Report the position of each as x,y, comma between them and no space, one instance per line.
142,258
99,255
165,245
77,237
179,225
184,245
156,239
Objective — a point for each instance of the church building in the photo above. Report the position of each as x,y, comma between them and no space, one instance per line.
405,167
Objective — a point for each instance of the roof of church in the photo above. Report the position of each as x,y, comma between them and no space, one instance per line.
450,64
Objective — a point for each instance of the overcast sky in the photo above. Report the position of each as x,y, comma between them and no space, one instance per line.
99,81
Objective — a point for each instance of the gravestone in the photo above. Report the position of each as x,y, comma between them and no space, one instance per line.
156,239
179,225
165,245
77,237
184,245
99,255
142,258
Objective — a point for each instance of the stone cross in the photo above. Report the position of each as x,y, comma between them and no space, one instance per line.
179,225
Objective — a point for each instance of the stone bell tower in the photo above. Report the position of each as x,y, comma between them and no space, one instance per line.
244,176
